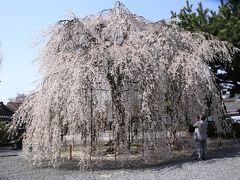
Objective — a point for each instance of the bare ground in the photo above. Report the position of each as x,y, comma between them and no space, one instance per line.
223,163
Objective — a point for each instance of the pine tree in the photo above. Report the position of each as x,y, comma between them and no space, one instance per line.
224,24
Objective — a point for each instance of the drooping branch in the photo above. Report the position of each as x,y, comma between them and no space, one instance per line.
145,79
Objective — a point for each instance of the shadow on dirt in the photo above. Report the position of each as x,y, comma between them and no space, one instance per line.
229,149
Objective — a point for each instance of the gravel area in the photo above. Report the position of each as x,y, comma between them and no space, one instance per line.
223,164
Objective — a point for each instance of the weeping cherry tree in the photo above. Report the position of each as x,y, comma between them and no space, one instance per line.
148,79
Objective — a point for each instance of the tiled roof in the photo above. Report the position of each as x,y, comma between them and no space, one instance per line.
5,113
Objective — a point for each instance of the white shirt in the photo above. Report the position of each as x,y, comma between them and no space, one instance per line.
201,130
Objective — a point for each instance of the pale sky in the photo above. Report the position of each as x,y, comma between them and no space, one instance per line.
22,22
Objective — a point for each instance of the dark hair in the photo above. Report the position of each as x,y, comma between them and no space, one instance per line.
203,116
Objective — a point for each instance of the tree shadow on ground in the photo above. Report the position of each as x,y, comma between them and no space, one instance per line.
227,150
230,149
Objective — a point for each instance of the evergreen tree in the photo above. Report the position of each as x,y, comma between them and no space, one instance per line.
224,24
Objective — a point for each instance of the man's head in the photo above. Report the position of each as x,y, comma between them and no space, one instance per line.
203,117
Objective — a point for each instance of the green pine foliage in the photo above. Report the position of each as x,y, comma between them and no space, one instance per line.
224,24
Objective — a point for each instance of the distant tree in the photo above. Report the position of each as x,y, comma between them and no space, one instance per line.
224,24
19,98
14,103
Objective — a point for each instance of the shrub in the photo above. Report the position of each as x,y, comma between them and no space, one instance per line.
5,134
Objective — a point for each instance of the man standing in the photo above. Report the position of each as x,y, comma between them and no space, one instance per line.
200,135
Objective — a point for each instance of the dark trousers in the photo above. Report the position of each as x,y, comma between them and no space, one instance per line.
202,148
